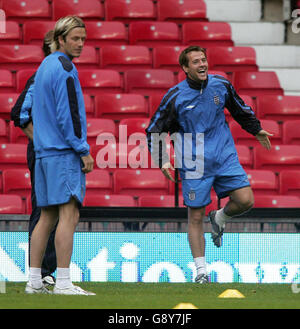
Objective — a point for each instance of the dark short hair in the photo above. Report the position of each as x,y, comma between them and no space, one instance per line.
48,38
183,59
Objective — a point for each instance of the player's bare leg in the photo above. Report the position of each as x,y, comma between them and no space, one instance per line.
197,241
68,220
38,242
195,231
40,235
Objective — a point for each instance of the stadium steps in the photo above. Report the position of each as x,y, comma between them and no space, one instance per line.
233,10
286,64
289,56
262,33
268,36
289,79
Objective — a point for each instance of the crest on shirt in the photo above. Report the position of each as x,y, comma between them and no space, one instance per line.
216,100
192,195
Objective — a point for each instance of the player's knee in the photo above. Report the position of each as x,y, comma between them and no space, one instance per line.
196,219
246,203
74,217
196,215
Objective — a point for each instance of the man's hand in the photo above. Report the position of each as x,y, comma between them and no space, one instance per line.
88,163
28,131
166,171
263,138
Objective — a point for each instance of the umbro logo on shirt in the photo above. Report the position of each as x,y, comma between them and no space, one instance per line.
190,106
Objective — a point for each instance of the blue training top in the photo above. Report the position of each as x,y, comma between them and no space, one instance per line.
195,112
58,112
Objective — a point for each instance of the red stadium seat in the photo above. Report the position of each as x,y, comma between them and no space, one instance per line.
140,182
35,30
152,33
17,181
129,11
159,201
97,81
120,106
6,81
105,154
257,83
290,182
181,11
263,181
207,34
28,205
16,134
12,34
277,201
231,59
280,157
133,132
21,11
87,59
85,9
13,156
172,184
148,82
167,57
1,183
291,132
154,102
99,181
135,125
245,156
89,106
4,136
125,57
7,101
22,77
97,126
16,57
278,107
241,136
11,204
108,200
112,155
103,33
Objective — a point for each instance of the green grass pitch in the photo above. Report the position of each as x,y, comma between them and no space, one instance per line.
116,295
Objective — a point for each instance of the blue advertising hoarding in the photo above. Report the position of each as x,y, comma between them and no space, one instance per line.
165,257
